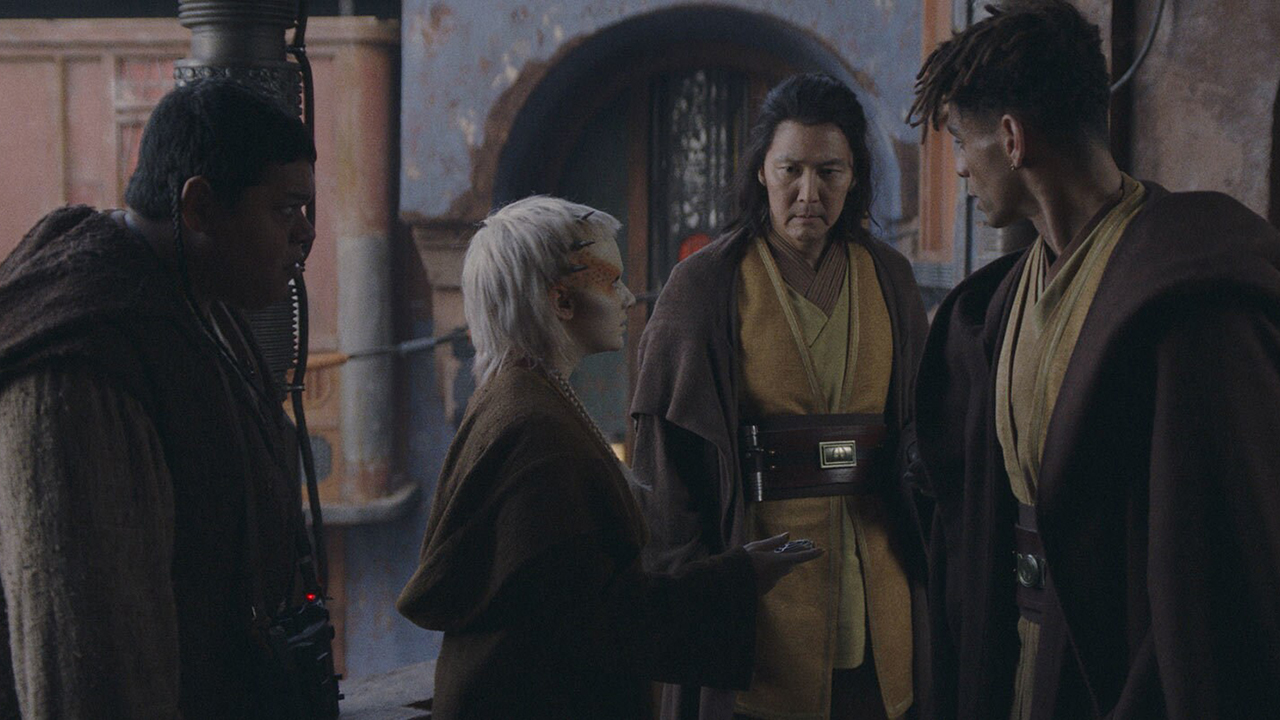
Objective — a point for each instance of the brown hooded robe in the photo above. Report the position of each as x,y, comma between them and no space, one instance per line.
1159,497
531,567
129,450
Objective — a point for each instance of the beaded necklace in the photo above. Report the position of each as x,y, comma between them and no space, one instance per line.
567,391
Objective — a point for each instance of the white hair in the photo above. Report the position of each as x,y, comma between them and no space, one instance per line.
513,260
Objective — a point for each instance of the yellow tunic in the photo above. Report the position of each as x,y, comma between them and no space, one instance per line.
1041,336
797,360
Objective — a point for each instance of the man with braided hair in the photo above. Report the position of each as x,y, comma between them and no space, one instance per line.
1098,413
149,509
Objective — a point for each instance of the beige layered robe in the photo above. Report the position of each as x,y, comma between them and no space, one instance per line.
1042,333
796,360
687,416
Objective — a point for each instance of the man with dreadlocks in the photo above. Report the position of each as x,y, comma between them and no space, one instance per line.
1098,413
149,510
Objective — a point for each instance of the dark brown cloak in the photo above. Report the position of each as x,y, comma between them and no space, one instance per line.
81,293
687,475
1159,483
531,567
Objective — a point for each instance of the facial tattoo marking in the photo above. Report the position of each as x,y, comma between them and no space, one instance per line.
596,273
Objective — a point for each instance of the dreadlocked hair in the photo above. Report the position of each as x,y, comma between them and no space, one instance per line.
1038,59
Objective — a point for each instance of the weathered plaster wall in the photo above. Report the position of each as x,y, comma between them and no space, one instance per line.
469,69
468,64
1204,102
1099,12
1201,111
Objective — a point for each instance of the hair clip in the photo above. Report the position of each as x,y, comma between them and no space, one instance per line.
574,247
585,215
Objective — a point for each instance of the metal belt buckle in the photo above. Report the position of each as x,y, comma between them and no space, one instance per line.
1030,570
837,454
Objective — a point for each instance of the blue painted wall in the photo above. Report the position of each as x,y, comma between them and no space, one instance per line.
381,557
460,58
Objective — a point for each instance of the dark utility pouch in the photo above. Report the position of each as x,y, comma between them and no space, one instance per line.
295,664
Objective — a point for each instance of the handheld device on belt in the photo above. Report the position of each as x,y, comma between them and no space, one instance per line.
792,456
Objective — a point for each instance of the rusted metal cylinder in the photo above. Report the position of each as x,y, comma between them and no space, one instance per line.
229,32
243,40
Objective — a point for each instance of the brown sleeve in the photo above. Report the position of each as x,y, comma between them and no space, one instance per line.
684,413
676,484
86,543
585,594
912,325
696,626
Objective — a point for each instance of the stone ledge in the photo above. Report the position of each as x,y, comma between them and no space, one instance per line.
396,695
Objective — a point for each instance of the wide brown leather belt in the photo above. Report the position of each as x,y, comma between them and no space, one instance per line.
1030,569
791,456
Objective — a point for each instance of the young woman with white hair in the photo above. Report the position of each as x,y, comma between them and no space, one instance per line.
531,561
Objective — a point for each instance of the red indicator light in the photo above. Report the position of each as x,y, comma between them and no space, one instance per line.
311,597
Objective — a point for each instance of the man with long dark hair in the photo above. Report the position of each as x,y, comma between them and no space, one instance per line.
774,396
149,509
1098,413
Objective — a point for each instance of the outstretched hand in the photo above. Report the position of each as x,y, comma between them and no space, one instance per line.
772,566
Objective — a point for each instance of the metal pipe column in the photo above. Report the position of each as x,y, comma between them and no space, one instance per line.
245,41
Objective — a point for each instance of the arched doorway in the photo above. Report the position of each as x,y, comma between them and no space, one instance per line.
645,120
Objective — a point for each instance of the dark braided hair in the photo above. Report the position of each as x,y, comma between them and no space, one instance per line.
180,245
1037,59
